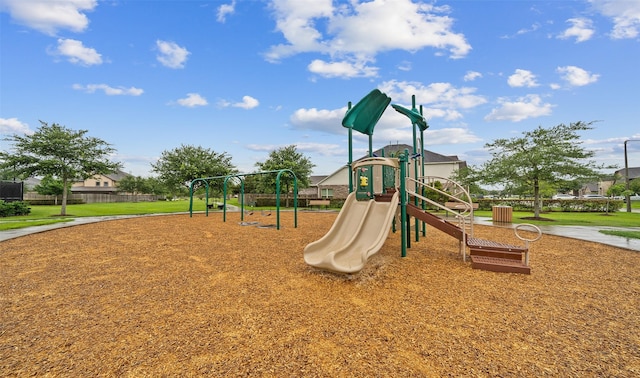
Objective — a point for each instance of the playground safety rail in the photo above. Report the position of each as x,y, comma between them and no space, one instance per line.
458,194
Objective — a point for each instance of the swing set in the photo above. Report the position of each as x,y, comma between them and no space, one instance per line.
241,178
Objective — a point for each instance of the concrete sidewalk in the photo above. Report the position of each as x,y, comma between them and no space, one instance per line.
574,232
581,232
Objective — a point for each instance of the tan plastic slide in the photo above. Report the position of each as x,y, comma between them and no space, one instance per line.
358,232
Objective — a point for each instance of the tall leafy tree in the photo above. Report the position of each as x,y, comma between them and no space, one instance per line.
554,155
286,158
65,154
135,185
50,186
634,186
178,167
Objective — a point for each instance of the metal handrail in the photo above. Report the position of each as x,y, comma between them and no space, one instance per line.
464,218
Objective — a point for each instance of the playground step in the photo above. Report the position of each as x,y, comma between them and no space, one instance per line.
516,256
478,244
496,264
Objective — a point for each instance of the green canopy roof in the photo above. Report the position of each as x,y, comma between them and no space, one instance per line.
366,113
414,116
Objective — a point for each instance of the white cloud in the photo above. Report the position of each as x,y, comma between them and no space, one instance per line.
576,76
392,127
530,106
247,102
342,69
171,55
472,75
581,29
522,78
329,121
13,126
624,14
442,100
192,100
77,53
49,16
347,35
456,135
405,66
224,10
108,90
322,149
532,29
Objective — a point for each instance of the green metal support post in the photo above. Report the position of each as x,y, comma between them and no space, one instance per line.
403,203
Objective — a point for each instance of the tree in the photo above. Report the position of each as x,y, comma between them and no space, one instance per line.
285,158
554,155
178,167
156,187
50,186
465,176
65,154
634,186
128,184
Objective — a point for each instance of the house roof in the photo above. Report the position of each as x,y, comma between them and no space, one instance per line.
94,189
429,156
392,150
314,180
117,175
634,172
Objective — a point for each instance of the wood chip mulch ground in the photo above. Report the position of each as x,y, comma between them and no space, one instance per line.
179,296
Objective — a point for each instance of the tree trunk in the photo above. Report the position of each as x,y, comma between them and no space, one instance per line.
63,208
536,198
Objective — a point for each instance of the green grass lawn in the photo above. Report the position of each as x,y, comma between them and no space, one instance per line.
617,219
41,215
624,234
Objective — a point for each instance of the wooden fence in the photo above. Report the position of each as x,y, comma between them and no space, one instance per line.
39,199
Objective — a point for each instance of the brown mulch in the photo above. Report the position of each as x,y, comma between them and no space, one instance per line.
179,296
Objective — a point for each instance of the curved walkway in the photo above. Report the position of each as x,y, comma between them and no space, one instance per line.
575,232
588,233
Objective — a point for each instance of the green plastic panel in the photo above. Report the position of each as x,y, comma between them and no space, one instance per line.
364,182
366,113
414,116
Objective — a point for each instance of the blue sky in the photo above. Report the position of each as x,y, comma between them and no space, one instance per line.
247,77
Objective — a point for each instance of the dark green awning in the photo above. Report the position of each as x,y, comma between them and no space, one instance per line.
366,113
414,116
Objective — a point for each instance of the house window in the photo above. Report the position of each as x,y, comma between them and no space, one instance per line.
326,193
106,183
97,183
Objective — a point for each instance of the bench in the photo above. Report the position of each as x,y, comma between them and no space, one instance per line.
324,203
459,206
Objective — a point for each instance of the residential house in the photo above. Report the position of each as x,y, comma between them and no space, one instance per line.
336,185
312,190
102,184
620,174
603,185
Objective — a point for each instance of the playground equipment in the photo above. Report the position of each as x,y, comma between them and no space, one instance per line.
383,185
361,228
207,180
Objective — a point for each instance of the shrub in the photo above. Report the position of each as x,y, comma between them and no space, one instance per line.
10,209
565,205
